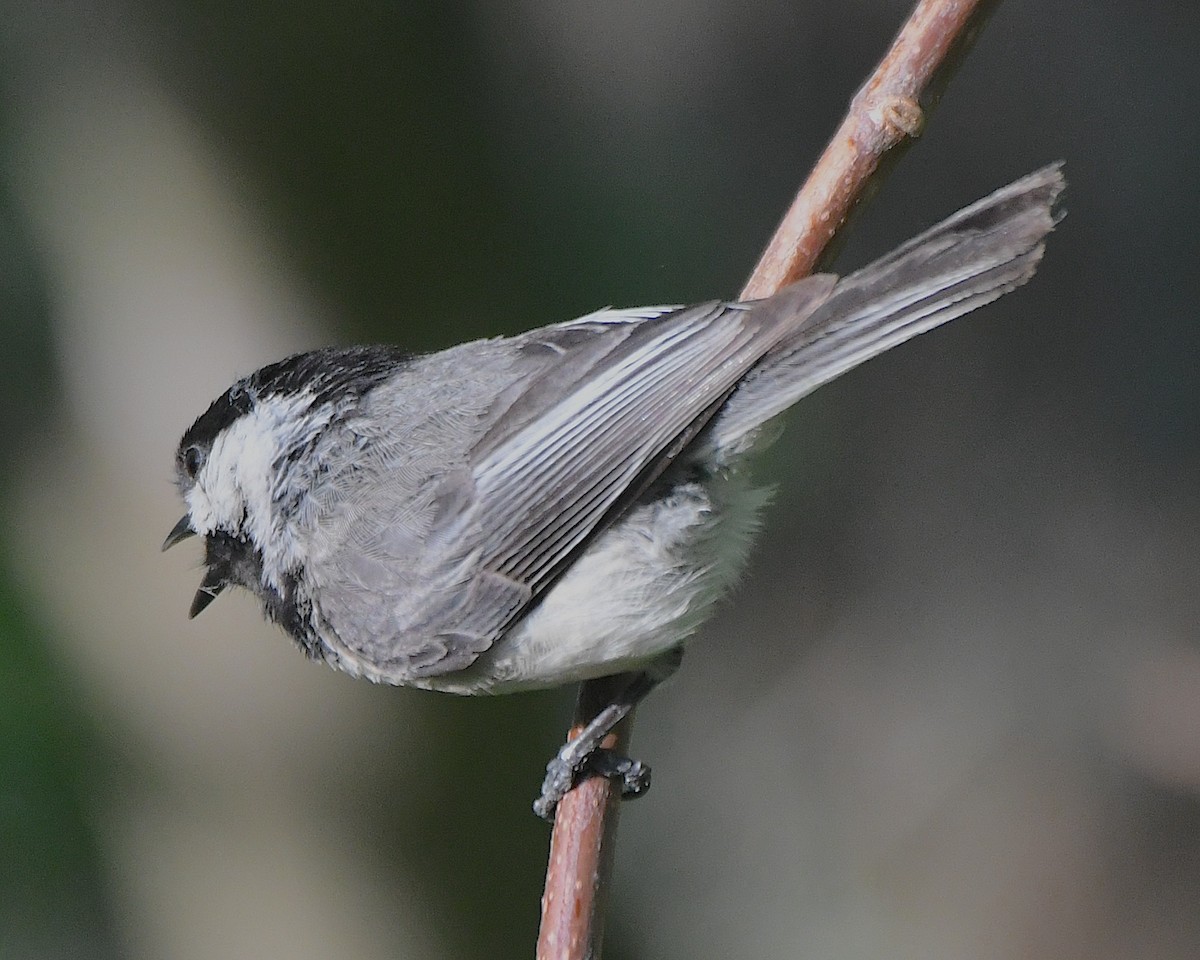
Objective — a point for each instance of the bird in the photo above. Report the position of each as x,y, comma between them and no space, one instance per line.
524,512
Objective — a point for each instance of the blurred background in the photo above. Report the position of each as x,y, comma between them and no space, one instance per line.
954,711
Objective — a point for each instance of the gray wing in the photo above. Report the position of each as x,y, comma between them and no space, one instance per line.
519,461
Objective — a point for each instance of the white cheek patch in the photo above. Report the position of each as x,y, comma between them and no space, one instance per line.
235,489
200,509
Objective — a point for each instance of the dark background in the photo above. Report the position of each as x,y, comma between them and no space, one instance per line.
953,711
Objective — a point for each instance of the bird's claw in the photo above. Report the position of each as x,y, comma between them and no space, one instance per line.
565,771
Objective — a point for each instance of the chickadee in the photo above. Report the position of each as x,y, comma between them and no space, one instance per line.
570,503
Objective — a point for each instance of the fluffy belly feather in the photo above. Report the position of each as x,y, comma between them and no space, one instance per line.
643,586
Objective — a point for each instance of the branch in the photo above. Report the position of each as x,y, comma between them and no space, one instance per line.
581,846
883,114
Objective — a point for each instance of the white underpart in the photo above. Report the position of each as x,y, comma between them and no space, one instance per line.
643,586
238,485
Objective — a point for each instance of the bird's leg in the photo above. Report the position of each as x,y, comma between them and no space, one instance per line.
583,754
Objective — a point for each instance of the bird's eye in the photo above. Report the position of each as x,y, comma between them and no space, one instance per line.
193,457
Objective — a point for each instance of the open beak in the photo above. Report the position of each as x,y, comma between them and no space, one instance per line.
214,582
181,531
214,578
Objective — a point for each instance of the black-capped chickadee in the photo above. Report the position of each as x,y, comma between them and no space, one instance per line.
569,503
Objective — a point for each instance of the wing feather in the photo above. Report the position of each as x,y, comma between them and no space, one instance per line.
542,491
547,489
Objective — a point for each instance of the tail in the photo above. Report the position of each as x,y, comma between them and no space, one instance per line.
981,253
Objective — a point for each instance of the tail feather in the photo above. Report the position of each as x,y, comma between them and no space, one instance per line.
980,253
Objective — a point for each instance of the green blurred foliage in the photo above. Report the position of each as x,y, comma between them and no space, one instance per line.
26,384
52,897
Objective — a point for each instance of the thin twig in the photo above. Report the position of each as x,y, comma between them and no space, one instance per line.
883,114
581,846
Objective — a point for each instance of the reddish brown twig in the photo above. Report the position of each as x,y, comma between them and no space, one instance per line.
884,112
585,828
